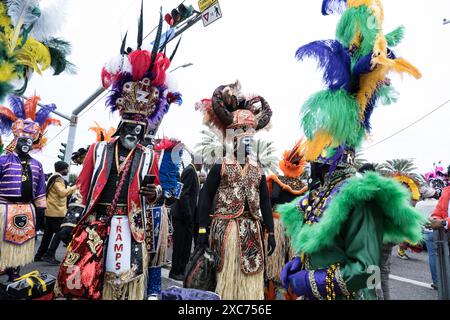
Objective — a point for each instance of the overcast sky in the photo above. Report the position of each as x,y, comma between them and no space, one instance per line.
255,42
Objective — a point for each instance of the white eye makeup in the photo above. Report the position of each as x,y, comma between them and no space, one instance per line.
137,129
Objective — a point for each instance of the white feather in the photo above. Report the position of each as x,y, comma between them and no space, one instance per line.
171,82
118,64
22,10
50,22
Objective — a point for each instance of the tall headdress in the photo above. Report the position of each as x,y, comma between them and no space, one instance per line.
230,109
27,43
24,120
356,67
411,184
139,83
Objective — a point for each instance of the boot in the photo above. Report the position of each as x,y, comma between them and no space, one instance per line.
13,274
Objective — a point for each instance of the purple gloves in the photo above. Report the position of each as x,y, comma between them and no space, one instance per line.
289,269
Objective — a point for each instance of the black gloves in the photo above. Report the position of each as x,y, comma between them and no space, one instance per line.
271,244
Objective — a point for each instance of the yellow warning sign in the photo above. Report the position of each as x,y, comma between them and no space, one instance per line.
205,4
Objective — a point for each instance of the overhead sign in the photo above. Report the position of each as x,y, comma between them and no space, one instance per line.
205,4
211,14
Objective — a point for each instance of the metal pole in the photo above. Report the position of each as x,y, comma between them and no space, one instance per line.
440,239
74,122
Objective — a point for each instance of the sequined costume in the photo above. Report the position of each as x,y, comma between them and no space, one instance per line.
22,179
108,257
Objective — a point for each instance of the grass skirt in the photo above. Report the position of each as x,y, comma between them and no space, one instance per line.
12,255
232,283
128,289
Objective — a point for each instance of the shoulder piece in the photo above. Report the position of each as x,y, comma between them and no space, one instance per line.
402,222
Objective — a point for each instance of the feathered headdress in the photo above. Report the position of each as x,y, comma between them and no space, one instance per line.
24,120
102,133
140,88
294,161
356,66
410,184
27,43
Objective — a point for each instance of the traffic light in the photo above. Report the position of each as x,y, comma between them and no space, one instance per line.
62,156
179,14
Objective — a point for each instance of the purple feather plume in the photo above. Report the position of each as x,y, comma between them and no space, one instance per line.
16,104
333,58
333,6
43,113
5,125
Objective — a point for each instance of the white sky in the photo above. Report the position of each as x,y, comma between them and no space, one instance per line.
255,42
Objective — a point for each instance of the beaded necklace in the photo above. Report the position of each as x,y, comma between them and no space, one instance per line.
317,201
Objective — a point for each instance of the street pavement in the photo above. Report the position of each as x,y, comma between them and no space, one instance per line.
409,278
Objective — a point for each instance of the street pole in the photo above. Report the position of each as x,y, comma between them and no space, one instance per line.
440,239
75,113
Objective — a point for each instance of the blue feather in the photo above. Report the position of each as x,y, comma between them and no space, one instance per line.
44,113
333,58
5,125
16,104
371,104
333,6
169,172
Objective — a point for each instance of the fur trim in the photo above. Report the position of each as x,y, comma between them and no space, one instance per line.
402,222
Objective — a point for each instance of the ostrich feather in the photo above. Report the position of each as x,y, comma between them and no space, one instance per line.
332,58
59,49
333,6
24,12
16,105
52,17
30,107
50,122
43,113
395,37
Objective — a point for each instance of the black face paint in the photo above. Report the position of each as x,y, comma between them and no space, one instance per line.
130,135
24,145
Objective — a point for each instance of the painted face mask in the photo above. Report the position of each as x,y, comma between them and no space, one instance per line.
24,145
130,135
243,147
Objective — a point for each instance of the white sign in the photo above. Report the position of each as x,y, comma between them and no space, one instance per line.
211,14
119,246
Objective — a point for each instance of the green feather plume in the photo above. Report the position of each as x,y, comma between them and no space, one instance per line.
395,37
334,112
59,50
357,19
401,221
387,95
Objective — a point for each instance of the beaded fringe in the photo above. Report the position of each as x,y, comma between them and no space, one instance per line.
232,283
13,255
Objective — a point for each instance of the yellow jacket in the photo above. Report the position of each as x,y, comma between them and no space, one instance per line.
57,198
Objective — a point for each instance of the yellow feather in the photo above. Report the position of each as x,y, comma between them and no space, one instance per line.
7,72
401,65
374,5
315,146
368,85
34,55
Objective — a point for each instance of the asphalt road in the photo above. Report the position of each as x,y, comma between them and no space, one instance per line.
408,282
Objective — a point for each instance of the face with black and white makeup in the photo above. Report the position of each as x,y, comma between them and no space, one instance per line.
24,145
130,134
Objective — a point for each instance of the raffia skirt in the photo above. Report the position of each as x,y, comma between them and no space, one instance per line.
125,286
13,255
277,260
232,283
